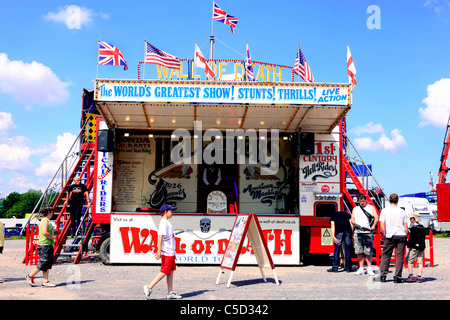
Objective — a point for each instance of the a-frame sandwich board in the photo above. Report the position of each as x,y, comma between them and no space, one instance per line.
246,224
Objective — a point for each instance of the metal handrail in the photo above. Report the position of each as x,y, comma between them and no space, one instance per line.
54,184
365,165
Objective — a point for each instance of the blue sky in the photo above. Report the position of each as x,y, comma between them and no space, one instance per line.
401,103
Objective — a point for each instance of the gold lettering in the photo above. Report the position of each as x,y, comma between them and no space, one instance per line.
173,72
162,70
238,76
269,68
260,73
182,76
221,70
279,75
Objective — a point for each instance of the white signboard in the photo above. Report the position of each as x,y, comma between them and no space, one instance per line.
200,239
320,173
104,179
222,92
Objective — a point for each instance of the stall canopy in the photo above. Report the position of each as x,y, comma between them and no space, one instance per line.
168,105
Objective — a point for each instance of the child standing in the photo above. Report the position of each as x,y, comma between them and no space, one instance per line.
416,243
45,250
166,252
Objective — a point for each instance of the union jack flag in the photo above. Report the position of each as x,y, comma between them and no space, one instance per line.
109,54
248,65
301,67
222,16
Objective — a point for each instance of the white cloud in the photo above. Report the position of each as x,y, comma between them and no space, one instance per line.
368,128
6,124
438,104
437,5
21,184
51,163
74,17
384,143
31,83
16,154
17,170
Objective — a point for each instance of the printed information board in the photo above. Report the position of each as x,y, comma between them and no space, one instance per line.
246,224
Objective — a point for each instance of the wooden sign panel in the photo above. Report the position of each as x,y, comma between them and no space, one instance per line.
246,224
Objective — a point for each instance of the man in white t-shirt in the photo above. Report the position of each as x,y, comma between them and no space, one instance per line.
394,227
364,220
166,252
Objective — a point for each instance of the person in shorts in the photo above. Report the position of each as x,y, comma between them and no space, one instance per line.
364,220
416,243
45,250
166,252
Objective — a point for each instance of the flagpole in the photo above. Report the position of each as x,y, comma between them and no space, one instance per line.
145,53
98,50
211,39
245,63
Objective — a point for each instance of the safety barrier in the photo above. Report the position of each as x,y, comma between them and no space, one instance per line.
32,237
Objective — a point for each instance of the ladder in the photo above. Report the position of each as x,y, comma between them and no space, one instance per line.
78,162
84,169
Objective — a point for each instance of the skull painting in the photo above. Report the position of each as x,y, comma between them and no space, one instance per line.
205,225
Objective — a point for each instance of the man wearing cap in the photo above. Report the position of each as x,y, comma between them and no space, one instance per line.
166,252
416,243
394,227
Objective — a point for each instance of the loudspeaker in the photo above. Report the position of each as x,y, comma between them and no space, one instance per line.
105,141
306,142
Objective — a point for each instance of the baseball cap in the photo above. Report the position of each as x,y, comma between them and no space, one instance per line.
415,215
165,207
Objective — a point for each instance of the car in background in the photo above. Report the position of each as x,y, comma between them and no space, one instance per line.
420,206
12,232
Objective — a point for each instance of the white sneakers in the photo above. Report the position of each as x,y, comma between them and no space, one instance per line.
147,292
173,295
170,296
361,271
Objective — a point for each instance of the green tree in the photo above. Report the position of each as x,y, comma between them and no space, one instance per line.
18,205
8,202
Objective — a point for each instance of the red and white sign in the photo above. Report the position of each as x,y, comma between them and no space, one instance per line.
200,239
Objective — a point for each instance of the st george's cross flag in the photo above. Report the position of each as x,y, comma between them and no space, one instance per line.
301,67
155,56
200,61
351,70
249,65
222,16
110,55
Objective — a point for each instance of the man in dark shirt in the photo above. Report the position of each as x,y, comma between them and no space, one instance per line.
341,231
76,194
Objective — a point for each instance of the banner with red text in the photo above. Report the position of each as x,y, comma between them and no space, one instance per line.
200,239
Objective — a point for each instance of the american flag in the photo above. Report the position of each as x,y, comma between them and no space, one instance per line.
222,16
301,67
109,54
248,65
156,56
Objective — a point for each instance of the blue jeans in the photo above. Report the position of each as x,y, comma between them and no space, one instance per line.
346,239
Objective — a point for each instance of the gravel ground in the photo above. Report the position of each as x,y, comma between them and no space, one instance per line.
92,280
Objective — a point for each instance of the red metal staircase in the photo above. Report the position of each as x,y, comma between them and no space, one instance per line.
84,169
79,161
